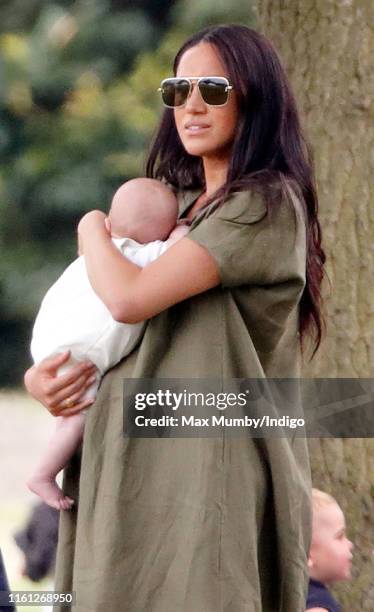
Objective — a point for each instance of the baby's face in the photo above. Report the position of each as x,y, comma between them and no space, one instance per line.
330,556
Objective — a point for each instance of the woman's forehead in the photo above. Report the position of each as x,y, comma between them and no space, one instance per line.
201,60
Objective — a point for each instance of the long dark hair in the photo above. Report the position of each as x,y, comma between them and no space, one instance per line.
268,152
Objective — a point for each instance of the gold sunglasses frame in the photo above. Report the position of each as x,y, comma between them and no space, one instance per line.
196,80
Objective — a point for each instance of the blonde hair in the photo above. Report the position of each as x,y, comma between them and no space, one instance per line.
320,499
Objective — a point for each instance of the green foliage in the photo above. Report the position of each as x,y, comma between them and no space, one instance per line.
78,106
193,15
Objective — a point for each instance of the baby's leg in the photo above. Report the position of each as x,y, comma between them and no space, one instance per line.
61,447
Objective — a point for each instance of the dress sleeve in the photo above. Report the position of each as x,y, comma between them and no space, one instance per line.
252,246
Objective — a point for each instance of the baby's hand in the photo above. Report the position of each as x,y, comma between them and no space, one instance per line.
178,232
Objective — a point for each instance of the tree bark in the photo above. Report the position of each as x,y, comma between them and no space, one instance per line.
327,47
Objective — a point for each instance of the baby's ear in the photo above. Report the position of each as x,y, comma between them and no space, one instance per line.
310,563
80,245
108,225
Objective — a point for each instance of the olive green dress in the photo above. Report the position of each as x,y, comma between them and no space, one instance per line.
203,524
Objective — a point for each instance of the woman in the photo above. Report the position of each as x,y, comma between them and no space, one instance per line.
219,524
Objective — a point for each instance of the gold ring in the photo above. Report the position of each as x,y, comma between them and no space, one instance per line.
69,402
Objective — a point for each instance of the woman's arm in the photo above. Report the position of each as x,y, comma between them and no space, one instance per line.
134,294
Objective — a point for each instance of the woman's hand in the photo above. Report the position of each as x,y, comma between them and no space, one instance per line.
92,223
61,395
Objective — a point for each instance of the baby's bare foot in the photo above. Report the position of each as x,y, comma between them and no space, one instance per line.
50,493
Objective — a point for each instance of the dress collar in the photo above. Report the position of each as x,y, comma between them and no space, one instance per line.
186,199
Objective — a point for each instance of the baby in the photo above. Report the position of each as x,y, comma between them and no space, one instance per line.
330,553
142,221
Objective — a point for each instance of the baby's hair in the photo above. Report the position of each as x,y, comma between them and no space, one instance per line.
320,499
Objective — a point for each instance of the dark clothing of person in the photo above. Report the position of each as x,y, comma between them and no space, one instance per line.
4,586
38,541
320,597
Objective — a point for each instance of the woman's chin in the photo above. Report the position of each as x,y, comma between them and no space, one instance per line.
208,153
196,150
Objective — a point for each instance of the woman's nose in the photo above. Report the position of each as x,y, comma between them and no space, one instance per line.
194,100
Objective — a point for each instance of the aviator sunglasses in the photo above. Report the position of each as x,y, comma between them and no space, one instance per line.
214,90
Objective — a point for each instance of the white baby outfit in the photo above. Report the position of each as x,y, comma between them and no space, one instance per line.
72,317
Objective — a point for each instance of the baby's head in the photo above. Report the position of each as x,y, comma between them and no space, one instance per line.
143,209
330,553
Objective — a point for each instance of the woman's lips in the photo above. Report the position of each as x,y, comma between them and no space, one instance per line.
196,128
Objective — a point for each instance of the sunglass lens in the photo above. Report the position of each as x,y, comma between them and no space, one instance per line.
214,91
175,92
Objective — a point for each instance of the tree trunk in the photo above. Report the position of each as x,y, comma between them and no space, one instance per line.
327,47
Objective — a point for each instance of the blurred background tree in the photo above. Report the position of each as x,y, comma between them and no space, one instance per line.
78,105
328,50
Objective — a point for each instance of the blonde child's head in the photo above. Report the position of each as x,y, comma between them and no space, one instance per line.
143,209
330,553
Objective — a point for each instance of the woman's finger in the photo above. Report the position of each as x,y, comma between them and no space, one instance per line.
82,371
75,394
74,390
51,364
74,410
